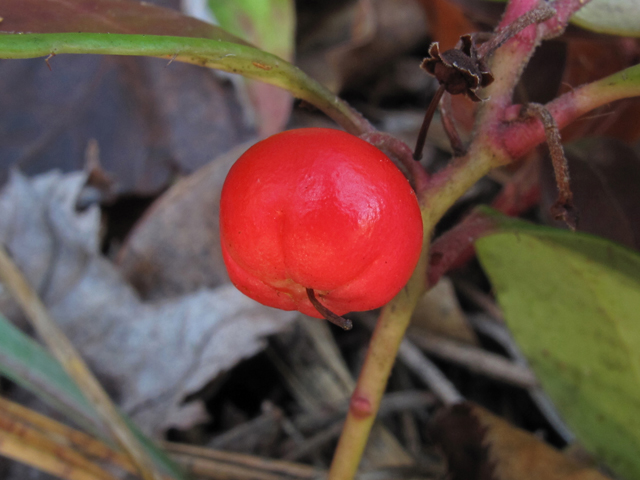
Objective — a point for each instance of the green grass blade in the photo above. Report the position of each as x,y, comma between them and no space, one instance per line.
29,365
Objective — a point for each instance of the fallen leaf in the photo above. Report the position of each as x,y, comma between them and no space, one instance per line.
364,38
438,311
481,446
572,302
175,248
149,119
149,356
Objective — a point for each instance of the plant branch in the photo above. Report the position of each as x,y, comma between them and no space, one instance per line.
455,247
539,14
522,135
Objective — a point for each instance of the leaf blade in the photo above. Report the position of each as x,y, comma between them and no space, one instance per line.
572,303
229,57
269,25
615,17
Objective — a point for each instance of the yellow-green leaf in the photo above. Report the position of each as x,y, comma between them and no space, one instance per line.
270,26
616,17
572,302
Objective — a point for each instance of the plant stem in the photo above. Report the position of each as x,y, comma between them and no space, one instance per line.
521,137
445,189
365,401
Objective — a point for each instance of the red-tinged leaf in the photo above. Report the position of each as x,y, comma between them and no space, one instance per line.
480,446
103,16
149,121
605,174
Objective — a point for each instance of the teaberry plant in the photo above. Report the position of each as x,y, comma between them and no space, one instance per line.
595,391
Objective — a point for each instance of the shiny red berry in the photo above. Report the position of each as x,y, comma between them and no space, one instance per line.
323,210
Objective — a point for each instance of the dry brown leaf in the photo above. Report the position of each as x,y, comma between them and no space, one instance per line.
150,118
439,312
149,356
358,42
480,446
175,248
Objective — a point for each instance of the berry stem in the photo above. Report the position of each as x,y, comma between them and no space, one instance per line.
328,314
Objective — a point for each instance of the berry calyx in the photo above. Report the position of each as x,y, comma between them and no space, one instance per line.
318,216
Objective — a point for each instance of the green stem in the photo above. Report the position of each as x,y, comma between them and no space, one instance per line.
227,56
375,372
444,190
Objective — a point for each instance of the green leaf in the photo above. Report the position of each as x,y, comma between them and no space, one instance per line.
572,302
29,365
230,57
616,17
269,25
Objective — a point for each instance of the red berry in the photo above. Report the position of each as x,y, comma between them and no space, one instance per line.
319,209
